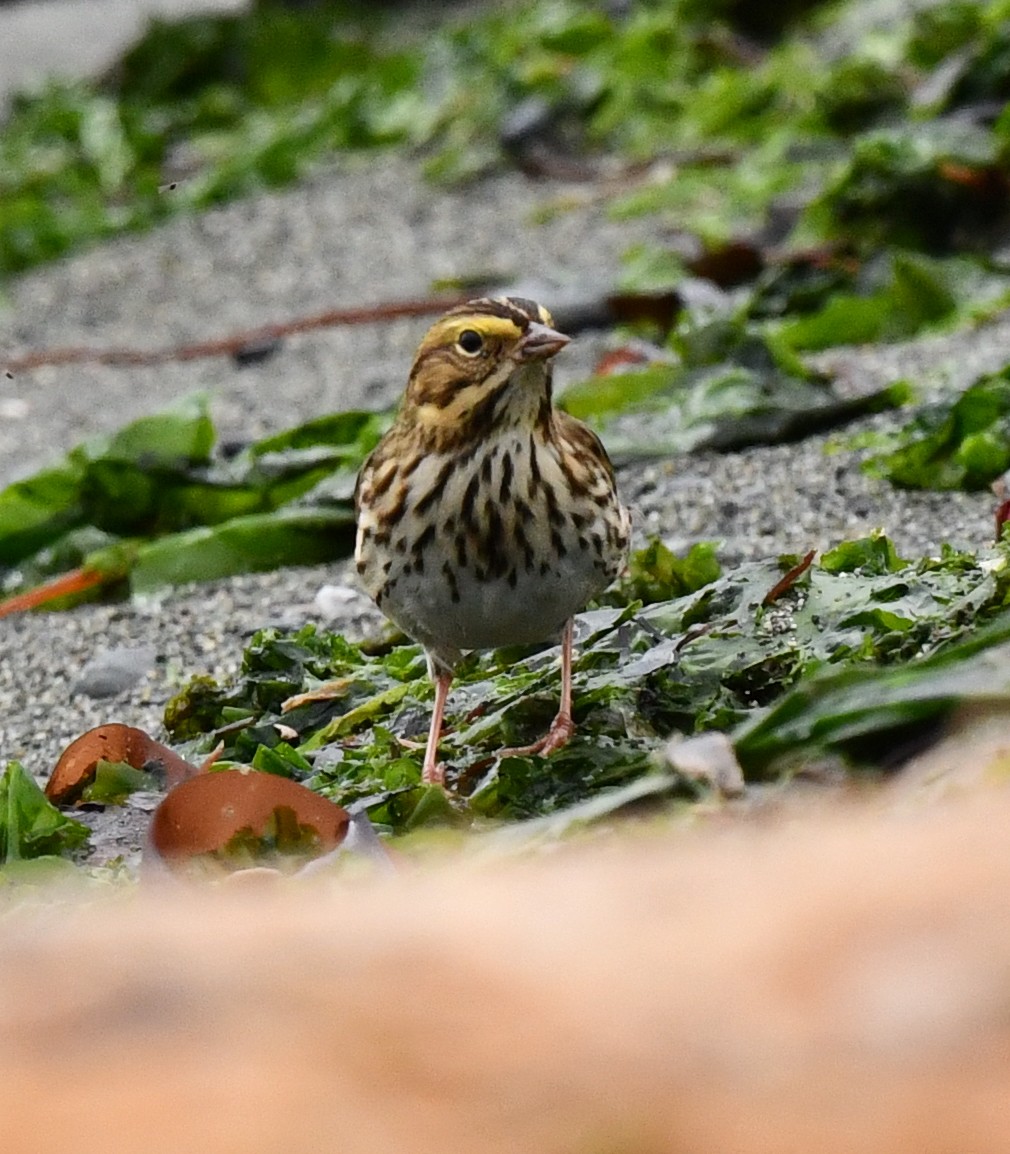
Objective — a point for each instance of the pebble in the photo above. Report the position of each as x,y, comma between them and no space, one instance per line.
113,671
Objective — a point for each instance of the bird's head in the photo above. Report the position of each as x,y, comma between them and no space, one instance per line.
484,365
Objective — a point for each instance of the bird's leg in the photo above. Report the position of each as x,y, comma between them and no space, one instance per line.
433,772
562,727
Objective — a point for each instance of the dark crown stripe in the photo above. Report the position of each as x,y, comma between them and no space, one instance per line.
519,310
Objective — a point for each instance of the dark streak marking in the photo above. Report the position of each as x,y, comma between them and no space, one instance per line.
505,490
478,423
554,514
380,486
524,543
450,577
469,501
422,542
535,478
433,494
543,417
494,541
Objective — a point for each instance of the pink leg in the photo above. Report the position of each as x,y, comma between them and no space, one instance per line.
562,727
433,772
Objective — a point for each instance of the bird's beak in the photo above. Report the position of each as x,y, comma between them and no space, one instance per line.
540,343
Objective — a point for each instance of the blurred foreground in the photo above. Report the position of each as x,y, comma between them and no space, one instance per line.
813,982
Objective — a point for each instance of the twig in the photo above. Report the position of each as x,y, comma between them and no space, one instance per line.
790,579
237,342
76,581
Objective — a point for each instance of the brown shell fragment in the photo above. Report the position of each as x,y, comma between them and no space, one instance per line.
204,814
112,742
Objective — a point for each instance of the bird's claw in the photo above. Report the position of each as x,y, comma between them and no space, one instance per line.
433,774
560,733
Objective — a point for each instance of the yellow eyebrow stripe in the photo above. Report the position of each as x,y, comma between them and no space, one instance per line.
447,331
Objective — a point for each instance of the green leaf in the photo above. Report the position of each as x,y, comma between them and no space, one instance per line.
714,658
920,293
38,511
114,781
858,92
602,397
180,434
873,556
281,759
727,406
861,711
30,826
181,514
844,320
964,444
656,573
896,189
289,536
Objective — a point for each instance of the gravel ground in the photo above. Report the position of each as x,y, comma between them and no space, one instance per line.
366,231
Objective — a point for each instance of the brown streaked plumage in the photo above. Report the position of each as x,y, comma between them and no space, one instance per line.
486,516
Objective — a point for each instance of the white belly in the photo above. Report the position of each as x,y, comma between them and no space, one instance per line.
509,556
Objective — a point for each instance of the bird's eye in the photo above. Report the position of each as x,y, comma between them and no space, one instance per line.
470,341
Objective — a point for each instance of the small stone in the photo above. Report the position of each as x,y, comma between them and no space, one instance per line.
707,758
332,601
145,800
14,408
114,671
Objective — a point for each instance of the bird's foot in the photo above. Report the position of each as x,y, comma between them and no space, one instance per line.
560,733
433,774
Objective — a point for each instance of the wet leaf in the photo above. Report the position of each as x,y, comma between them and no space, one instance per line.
935,186
918,294
250,544
716,658
867,714
725,407
872,556
960,444
152,503
656,573
30,825
114,781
